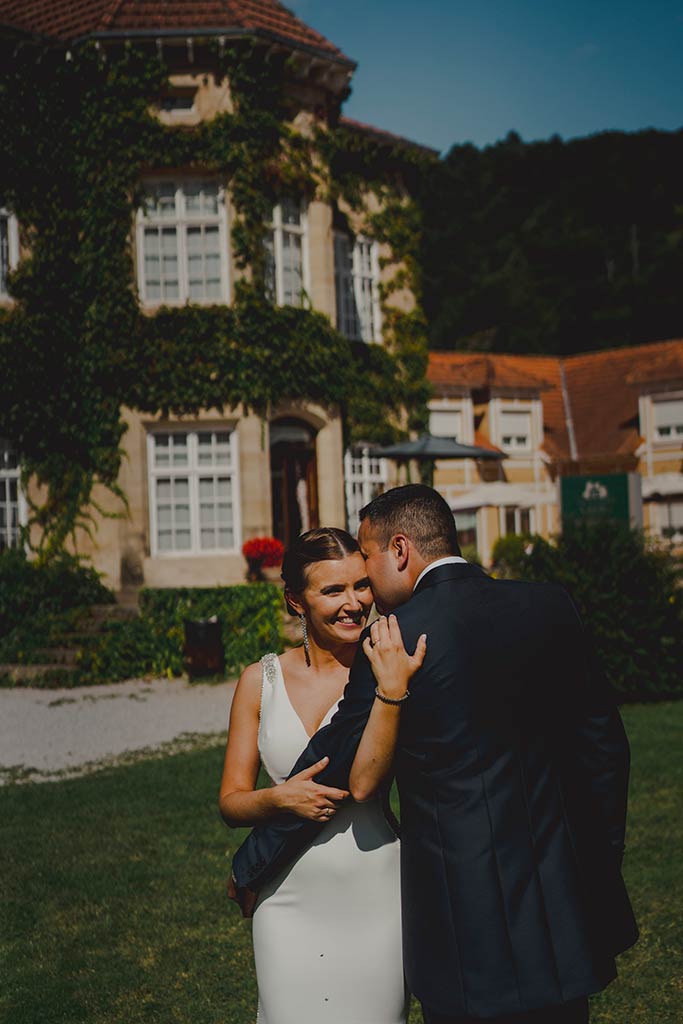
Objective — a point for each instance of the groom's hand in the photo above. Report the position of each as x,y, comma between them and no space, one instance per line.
245,898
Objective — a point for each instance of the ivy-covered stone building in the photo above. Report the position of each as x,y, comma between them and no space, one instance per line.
222,313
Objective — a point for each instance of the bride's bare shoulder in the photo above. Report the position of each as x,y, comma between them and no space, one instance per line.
249,683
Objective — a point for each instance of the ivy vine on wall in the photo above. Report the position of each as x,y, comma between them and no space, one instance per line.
79,135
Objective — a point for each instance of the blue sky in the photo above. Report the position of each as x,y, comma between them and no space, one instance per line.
447,71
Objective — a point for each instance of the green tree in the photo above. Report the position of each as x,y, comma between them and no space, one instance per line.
628,593
555,246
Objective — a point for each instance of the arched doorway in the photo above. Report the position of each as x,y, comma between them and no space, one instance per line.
294,478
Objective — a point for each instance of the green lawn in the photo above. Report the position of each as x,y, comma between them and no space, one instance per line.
113,906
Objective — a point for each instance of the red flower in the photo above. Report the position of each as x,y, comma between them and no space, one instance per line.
266,550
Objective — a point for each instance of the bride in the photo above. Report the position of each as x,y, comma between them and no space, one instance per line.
327,930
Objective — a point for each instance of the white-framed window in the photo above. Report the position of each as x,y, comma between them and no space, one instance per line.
9,247
285,243
466,525
356,279
11,504
365,476
671,519
513,519
668,419
515,430
446,423
179,100
194,491
182,242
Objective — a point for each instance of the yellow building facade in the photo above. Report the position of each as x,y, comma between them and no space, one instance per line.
198,487
617,411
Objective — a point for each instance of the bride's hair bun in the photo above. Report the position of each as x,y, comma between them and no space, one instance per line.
324,544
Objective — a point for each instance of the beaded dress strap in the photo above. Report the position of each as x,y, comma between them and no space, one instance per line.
269,663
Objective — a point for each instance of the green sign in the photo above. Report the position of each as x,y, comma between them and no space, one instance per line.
602,496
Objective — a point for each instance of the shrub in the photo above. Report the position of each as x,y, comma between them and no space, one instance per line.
628,593
470,554
29,588
510,553
43,628
152,643
124,650
250,617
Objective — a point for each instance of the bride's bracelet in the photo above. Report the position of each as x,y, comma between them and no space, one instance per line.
391,700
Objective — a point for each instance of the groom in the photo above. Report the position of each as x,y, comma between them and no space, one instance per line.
512,769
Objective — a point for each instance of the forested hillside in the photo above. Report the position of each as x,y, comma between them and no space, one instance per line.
555,246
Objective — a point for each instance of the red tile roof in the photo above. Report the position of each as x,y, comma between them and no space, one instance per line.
482,441
604,389
475,370
62,19
601,389
382,136
72,19
665,366
450,372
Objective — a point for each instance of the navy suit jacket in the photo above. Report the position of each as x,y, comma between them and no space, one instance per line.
512,768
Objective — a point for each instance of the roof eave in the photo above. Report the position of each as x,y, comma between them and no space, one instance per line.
218,31
386,139
25,35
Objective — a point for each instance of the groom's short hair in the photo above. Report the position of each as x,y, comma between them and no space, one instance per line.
420,513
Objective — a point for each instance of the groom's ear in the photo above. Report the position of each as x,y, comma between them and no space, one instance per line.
400,547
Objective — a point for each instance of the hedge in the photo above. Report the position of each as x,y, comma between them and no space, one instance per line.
250,617
29,588
627,589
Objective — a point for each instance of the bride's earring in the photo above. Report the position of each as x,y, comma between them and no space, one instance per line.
304,630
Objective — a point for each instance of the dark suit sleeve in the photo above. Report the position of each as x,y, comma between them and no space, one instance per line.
598,750
272,846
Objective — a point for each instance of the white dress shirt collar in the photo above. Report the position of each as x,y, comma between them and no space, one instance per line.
448,560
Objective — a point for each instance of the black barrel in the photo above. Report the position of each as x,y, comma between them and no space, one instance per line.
203,654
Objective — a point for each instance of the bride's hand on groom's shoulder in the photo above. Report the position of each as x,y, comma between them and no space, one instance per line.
391,664
303,796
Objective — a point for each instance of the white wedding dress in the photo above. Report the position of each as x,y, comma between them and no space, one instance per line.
327,930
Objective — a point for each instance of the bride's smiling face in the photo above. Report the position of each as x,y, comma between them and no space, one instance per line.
337,599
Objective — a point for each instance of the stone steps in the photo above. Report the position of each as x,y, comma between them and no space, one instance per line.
56,665
46,675
113,612
57,655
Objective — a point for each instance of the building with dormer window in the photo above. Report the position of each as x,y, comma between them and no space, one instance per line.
618,411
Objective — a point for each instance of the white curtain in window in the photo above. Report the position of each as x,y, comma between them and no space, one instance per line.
183,254
192,486
445,423
515,428
669,417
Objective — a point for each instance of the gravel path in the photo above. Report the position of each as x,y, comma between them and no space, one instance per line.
50,734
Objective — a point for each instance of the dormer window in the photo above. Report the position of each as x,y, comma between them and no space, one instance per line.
446,423
9,248
515,430
356,279
668,419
